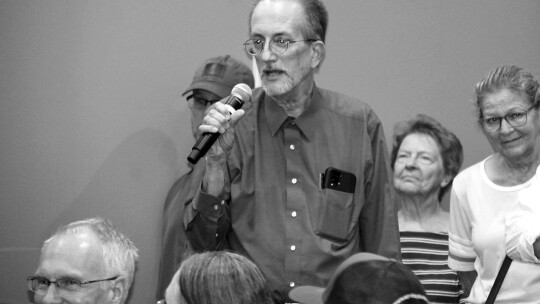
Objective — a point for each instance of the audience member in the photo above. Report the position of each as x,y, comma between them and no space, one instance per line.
365,278
426,157
218,277
482,195
212,81
85,262
262,195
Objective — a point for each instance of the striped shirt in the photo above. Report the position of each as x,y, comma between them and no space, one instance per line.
426,254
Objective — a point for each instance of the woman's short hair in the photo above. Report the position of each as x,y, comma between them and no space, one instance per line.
511,77
449,145
222,277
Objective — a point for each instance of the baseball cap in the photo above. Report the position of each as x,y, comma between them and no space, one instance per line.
219,75
365,278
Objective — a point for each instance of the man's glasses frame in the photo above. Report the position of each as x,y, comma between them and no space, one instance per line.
514,119
39,284
278,45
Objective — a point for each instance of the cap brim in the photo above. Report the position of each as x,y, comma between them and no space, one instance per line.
307,294
215,88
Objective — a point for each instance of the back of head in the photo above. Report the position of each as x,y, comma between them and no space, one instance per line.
119,253
366,278
511,77
374,282
222,277
218,75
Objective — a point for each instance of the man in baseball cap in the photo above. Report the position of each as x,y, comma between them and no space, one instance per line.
212,81
366,278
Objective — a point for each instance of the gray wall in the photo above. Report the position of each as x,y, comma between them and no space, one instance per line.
92,122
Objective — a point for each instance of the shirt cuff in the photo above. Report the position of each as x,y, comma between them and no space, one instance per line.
461,255
207,204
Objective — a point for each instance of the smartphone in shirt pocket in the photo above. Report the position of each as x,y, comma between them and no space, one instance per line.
339,180
335,214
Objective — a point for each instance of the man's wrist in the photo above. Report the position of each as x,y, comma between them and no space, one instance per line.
216,160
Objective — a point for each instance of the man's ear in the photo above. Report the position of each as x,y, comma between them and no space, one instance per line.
119,291
319,51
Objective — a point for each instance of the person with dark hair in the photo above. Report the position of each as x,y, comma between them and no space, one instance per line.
87,261
218,277
366,278
212,81
482,195
302,179
426,157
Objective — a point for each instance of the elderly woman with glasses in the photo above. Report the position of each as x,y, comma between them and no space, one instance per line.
483,194
426,157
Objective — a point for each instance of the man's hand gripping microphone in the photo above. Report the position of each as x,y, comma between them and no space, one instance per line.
240,94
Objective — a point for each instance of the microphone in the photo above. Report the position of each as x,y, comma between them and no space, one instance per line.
240,94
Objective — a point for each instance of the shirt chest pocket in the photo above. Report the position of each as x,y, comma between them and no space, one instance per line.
334,217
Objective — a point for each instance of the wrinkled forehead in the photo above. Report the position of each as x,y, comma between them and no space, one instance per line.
270,18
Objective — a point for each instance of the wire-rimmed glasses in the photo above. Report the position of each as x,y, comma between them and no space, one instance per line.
277,45
40,284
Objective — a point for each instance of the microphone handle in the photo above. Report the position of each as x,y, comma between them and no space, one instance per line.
203,144
206,140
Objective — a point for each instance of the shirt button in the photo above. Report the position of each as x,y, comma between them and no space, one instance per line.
292,147
293,214
222,203
216,207
291,284
293,248
294,180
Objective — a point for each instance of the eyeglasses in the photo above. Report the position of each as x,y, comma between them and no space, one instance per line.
515,119
277,45
41,285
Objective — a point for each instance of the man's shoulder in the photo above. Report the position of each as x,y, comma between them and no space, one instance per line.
345,105
332,95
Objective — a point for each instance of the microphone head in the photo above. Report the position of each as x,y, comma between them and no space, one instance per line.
242,91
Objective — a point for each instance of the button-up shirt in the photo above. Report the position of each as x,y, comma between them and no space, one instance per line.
274,210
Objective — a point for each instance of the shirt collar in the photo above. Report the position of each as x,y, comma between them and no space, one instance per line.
307,122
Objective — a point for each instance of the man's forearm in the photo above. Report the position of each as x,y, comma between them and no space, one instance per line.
214,179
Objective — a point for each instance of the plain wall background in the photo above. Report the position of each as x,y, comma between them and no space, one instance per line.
92,121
